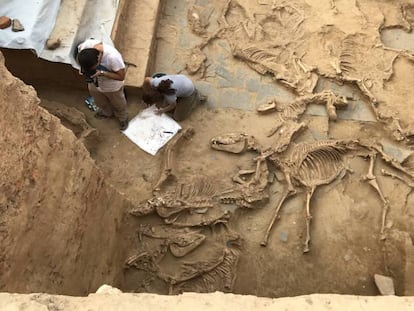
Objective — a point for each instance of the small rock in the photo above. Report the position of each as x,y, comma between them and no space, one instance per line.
145,177
53,44
348,255
385,284
107,289
17,25
4,22
283,236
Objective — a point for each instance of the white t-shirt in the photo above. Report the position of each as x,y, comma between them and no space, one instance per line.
111,60
182,85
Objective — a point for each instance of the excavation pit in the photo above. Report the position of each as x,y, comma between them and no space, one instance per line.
69,181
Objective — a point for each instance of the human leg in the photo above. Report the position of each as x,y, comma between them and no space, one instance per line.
101,101
119,107
185,106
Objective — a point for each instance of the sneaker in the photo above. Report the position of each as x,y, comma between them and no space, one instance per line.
90,103
123,125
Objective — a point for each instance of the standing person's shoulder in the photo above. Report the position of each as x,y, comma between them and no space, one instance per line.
111,55
109,49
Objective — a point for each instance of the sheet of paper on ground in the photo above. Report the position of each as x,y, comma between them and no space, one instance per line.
150,131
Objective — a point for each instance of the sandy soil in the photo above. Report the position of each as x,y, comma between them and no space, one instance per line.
57,210
188,301
346,249
296,43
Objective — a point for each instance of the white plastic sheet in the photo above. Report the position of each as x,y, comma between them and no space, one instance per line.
70,21
150,131
38,18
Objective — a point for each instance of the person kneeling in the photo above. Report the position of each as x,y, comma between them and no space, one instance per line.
172,93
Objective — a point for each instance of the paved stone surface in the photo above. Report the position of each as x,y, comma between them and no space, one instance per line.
230,83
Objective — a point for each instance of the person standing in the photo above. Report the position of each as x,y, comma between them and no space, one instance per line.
172,93
104,70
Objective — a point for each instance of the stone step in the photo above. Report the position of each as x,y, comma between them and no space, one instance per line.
134,35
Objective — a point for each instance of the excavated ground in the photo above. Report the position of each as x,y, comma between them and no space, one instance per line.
64,208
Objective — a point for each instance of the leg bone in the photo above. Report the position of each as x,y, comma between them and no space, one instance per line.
308,219
373,182
286,194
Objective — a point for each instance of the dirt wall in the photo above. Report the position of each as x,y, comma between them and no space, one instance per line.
59,219
38,72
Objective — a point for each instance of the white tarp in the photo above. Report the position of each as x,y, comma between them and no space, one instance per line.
70,21
38,18
150,131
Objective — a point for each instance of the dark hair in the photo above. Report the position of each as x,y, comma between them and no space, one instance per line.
88,58
147,99
158,75
165,87
151,98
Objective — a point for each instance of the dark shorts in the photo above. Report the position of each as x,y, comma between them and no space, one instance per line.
185,105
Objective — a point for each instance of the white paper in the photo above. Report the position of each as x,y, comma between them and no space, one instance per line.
150,131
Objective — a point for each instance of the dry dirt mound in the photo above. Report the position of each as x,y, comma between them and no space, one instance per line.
59,219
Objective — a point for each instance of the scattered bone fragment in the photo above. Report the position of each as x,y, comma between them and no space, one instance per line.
385,284
267,107
5,22
196,62
198,19
17,25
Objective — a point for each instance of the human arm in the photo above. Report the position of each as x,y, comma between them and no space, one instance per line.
170,107
112,63
114,75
